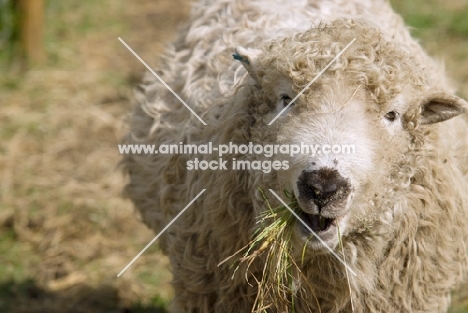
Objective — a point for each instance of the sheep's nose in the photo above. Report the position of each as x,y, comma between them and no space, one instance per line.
322,186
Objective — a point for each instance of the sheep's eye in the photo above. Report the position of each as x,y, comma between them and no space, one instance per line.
391,116
286,99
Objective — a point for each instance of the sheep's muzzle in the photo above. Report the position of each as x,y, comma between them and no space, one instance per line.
323,198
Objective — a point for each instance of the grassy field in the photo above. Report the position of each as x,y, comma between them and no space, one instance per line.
65,231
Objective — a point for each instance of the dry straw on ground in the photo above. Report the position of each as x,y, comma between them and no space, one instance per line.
65,230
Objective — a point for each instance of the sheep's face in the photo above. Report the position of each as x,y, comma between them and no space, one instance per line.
354,145
360,121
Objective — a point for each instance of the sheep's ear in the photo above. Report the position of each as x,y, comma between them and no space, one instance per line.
249,59
440,106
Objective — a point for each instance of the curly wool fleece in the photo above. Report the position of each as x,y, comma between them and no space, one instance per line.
405,222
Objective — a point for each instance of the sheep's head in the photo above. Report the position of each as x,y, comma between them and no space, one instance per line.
374,98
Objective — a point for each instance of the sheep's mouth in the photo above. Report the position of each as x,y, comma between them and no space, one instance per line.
317,223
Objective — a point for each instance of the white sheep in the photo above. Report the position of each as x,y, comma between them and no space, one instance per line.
399,202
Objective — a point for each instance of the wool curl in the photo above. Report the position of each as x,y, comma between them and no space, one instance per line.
371,61
416,250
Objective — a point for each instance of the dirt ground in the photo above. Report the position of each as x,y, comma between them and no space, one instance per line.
65,230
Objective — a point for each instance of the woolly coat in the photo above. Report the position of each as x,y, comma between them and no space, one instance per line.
415,251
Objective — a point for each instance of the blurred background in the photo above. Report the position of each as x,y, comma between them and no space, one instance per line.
65,92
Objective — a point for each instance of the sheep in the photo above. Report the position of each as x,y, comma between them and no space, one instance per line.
395,211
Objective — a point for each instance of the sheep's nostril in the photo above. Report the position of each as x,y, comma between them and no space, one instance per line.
321,186
322,192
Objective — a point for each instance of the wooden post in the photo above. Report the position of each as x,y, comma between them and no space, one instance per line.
32,24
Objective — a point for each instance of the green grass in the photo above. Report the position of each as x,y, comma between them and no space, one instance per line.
442,27
9,30
429,18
